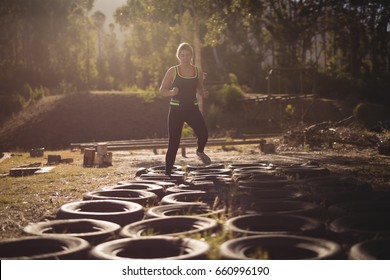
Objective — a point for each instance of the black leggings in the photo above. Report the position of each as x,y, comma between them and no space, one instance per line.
176,118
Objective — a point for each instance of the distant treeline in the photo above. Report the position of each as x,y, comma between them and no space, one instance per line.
62,46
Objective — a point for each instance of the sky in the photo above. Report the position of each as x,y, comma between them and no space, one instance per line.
108,7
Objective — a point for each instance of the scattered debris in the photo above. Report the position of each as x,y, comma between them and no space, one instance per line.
53,159
99,156
37,152
23,171
347,131
267,148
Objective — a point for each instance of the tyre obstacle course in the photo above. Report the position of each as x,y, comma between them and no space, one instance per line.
238,211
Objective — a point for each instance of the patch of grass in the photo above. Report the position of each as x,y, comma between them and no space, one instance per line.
38,197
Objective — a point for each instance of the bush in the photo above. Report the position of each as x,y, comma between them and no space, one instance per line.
214,116
370,114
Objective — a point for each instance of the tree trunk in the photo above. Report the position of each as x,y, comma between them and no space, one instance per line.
198,56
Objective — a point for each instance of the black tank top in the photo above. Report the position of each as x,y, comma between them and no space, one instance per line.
187,89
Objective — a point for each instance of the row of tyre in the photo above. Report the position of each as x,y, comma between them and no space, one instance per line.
262,210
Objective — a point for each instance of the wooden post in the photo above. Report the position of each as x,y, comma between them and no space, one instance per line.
101,153
89,157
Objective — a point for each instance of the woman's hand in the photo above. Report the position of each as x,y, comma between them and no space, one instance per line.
174,91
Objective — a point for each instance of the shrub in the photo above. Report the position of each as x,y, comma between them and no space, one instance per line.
369,114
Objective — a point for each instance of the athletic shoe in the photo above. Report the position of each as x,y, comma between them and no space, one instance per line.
204,158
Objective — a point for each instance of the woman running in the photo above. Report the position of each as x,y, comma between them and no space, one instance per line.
182,82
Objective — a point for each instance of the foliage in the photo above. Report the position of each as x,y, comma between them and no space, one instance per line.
187,131
370,114
63,45
229,95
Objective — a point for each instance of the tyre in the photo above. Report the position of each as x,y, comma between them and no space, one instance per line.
358,227
44,248
249,194
280,247
203,167
209,186
174,178
116,211
303,172
264,184
234,166
191,198
156,189
263,224
335,184
377,249
177,189
259,176
285,207
216,178
163,184
179,226
255,169
93,231
182,210
144,198
331,198
158,247
202,172
161,169
356,207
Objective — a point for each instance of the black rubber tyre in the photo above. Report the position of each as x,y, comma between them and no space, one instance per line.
250,194
255,169
209,177
330,198
358,227
157,247
263,176
203,172
303,172
179,226
285,207
263,224
156,189
262,184
209,186
163,184
377,249
203,167
144,198
174,178
182,210
161,169
335,184
235,166
44,248
116,211
177,189
360,206
93,231
191,198
280,247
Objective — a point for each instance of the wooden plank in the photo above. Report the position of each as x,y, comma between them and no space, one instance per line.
182,145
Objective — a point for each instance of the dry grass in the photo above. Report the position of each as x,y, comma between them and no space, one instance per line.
38,197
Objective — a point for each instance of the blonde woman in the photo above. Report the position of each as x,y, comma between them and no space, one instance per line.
181,83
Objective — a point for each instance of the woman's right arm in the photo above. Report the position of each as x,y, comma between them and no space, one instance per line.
166,84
